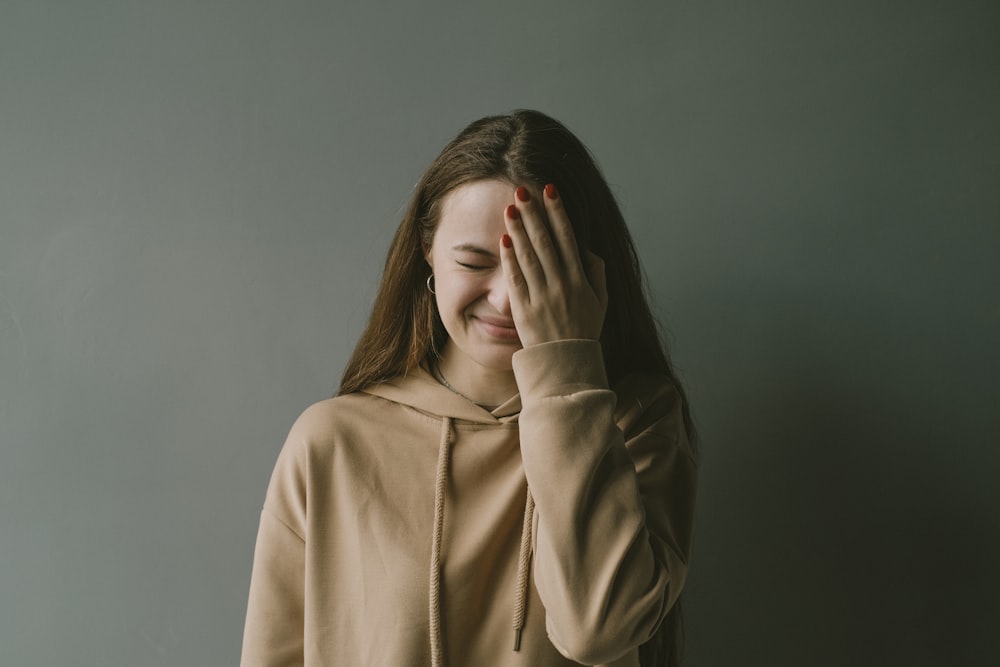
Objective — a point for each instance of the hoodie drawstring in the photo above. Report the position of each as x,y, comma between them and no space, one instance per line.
523,559
440,486
523,569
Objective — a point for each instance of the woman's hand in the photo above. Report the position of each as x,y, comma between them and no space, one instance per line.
554,293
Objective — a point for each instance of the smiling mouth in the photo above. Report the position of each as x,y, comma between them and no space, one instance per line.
496,328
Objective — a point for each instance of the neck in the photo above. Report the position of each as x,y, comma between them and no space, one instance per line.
481,385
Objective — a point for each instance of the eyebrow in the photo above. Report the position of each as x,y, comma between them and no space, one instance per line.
469,247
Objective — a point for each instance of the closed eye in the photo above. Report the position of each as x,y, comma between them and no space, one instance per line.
469,250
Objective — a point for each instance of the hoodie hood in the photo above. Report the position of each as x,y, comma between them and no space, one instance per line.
419,390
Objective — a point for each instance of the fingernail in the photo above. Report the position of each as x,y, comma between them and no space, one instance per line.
551,192
507,243
512,212
522,193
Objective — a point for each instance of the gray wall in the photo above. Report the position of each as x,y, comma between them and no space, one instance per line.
196,197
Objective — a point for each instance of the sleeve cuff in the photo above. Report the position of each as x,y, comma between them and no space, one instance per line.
560,367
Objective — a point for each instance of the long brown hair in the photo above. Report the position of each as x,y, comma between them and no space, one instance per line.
522,147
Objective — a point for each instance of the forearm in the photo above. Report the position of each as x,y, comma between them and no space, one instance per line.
605,567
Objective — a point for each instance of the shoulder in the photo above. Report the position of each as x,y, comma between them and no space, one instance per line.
332,411
323,429
326,422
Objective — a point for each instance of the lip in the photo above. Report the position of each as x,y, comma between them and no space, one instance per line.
498,327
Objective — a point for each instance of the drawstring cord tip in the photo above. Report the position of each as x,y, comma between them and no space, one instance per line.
517,640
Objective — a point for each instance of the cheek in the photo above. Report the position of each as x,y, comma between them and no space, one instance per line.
457,293
447,297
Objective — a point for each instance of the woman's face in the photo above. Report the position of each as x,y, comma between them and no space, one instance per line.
469,282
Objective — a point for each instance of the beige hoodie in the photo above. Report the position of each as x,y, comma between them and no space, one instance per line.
398,529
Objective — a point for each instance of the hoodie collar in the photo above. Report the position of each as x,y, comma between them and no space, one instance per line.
418,389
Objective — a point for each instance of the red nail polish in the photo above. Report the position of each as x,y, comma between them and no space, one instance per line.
507,243
551,192
512,212
522,193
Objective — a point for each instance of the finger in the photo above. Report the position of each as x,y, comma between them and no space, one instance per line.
536,225
529,266
597,278
516,286
562,232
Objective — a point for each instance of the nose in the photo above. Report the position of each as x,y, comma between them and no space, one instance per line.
498,296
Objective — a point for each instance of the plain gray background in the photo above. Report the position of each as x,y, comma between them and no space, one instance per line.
195,203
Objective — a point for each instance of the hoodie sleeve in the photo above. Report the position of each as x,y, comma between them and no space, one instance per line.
274,630
614,510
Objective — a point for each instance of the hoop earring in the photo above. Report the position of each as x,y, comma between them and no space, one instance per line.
430,287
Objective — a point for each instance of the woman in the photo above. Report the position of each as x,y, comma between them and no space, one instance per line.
509,422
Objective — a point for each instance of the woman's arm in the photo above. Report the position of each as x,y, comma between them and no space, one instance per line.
614,511
273,634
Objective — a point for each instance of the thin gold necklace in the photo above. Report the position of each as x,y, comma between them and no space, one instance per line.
439,376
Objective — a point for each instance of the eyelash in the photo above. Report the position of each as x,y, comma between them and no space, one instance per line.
473,267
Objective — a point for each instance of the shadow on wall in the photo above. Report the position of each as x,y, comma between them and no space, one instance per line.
844,510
